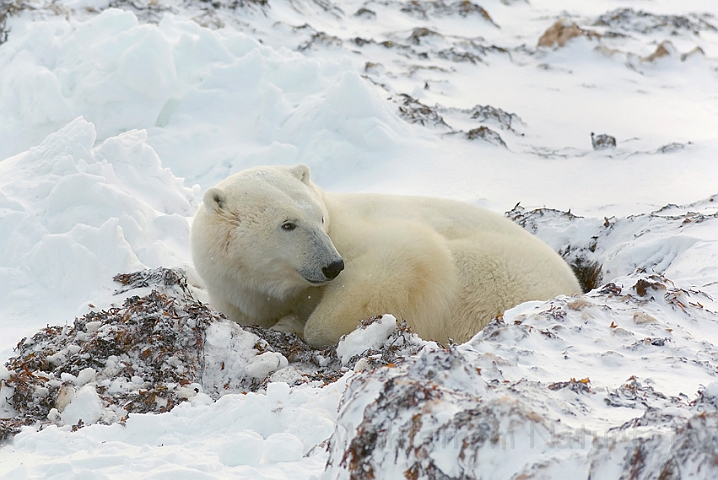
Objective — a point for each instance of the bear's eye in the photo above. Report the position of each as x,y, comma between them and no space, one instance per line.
322,220
289,226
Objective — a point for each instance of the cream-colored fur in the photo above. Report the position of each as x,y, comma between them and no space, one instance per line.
445,267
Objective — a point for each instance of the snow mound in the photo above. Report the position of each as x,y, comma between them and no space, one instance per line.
214,102
550,387
677,240
165,348
75,214
143,357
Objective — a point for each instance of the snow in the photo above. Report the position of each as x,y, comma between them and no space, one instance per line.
191,440
113,121
493,408
372,336
74,215
84,406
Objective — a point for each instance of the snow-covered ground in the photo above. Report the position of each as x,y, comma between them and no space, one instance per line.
113,121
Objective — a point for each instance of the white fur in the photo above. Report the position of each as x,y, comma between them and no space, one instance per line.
445,267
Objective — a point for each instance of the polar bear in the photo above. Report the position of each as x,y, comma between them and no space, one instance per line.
275,250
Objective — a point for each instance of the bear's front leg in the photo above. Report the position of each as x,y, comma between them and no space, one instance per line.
290,324
341,308
409,274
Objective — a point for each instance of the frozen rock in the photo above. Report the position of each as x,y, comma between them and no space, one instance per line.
264,364
86,375
85,406
371,336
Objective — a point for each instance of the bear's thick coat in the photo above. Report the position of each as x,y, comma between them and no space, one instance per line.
275,250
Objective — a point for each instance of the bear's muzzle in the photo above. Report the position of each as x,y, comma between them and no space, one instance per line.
332,270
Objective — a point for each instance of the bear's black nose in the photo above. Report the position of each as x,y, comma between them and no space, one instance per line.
332,270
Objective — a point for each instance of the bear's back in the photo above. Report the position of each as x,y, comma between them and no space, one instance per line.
450,219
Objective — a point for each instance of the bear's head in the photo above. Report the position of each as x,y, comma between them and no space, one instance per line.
266,229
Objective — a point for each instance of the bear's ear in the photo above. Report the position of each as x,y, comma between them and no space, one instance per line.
215,199
301,171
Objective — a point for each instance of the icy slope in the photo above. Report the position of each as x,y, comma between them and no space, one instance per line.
281,83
